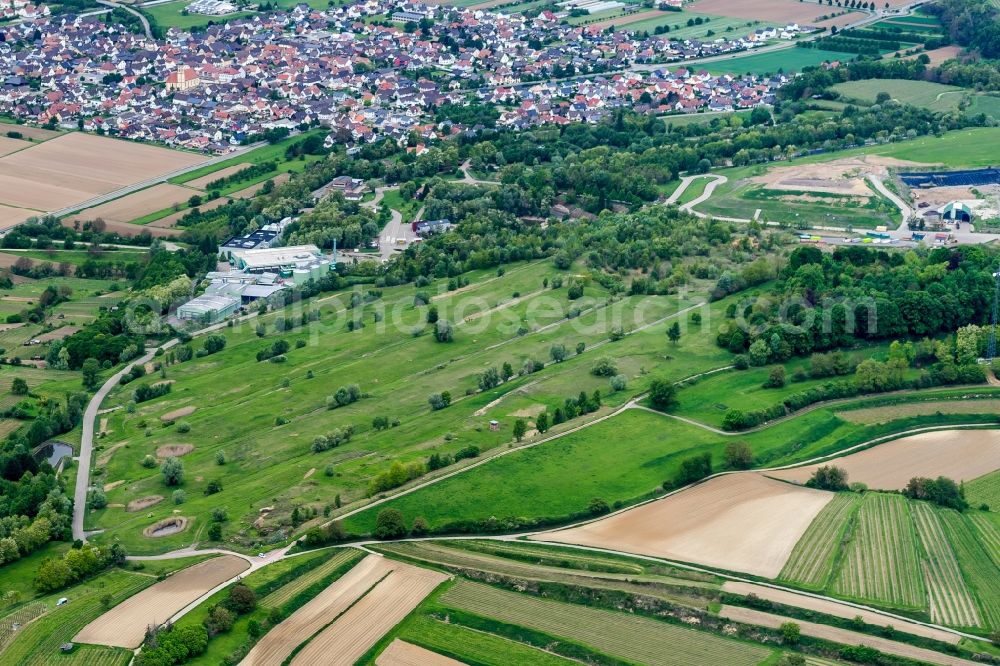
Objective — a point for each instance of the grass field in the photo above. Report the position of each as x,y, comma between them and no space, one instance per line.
984,490
656,445
881,563
38,643
812,561
474,647
925,94
168,15
636,639
782,60
720,26
399,386
535,483
961,148
77,257
709,399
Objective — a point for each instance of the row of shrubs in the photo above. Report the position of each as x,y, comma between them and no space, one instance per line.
941,374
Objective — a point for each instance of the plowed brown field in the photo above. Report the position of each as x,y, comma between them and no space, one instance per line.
737,522
72,168
961,455
356,631
401,653
278,643
125,624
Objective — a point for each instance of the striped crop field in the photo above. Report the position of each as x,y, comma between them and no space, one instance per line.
286,592
989,534
811,562
21,617
984,490
38,643
881,563
980,570
636,639
951,601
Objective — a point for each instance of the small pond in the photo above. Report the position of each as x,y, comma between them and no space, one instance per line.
53,452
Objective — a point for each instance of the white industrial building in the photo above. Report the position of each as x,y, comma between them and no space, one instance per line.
208,308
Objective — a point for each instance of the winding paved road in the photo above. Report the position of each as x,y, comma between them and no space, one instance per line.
87,446
138,15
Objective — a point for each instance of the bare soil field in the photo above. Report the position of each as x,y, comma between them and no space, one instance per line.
174,450
178,413
58,334
9,145
125,624
11,216
401,653
836,609
873,415
961,455
36,133
845,636
276,645
143,503
628,18
202,183
737,522
842,176
357,630
937,56
776,11
126,229
63,172
137,204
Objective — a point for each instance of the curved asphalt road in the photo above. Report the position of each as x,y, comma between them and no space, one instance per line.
87,446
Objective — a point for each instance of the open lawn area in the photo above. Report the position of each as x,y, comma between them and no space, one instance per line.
624,459
782,60
925,94
265,426
169,15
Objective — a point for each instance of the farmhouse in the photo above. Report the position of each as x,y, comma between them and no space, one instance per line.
208,308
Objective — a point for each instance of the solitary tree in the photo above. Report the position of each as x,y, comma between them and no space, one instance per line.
90,369
542,422
738,455
674,332
443,331
173,472
19,386
520,428
389,524
558,352
663,394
